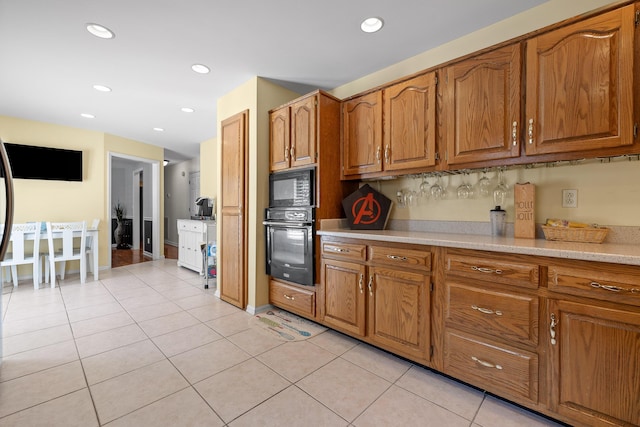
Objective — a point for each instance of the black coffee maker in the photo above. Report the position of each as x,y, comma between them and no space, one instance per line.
205,206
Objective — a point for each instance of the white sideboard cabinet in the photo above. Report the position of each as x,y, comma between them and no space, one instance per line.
191,235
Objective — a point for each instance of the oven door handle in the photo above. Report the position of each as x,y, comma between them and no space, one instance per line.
287,224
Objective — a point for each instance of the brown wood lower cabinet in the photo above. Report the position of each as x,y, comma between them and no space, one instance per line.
595,355
500,369
561,338
384,302
293,298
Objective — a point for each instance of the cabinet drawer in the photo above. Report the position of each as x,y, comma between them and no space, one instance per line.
495,368
409,258
291,298
603,282
505,271
501,314
350,251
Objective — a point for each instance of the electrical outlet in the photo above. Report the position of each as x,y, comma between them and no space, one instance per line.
569,198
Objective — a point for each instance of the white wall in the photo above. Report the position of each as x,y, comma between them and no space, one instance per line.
176,195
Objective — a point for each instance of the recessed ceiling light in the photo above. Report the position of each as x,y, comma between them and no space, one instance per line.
200,69
102,88
88,116
187,110
100,31
158,129
371,25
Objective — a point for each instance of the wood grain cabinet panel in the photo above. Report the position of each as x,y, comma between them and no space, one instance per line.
505,315
295,299
481,107
602,281
344,296
409,130
362,135
303,124
505,270
595,363
279,135
497,368
579,85
399,311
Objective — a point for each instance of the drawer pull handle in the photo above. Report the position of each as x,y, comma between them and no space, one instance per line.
530,131
360,282
514,133
397,258
612,288
370,285
378,154
552,329
289,297
486,270
486,310
485,364
334,249
293,152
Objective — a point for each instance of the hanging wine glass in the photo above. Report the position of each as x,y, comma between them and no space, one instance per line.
501,190
437,190
424,188
465,191
484,185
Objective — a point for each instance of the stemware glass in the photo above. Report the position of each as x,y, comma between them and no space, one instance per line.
501,190
424,187
484,185
465,191
437,190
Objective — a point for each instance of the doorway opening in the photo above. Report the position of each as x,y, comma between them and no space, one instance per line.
142,196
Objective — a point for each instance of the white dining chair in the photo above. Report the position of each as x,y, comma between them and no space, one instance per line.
65,231
21,253
94,226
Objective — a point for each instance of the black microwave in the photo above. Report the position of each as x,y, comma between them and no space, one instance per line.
292,188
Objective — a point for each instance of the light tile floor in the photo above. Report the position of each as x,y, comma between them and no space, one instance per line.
148,346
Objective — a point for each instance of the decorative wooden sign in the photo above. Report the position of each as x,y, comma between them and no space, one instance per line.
367,209
525,208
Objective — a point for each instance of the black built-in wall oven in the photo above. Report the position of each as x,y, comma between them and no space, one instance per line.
290,226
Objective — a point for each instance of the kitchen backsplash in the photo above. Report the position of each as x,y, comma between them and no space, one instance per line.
608,194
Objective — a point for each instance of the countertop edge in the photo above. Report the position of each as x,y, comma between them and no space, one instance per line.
600,252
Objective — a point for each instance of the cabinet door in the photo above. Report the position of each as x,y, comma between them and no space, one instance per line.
580,85
279,139
344,296
303,132
595,363
233,247
410,124
481,107
399,311
362,135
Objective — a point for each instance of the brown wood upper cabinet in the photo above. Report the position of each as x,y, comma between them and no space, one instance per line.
362,135
480,101
293,134
404,141
579,85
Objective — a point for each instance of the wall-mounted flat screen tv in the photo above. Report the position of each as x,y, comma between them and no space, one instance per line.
31,162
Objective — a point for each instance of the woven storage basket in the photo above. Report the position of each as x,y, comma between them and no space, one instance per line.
567,234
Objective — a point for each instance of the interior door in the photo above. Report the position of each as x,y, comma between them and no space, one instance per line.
232,275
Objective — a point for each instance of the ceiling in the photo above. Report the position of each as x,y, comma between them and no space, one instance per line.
49,62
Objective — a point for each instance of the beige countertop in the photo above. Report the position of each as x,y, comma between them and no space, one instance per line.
617,253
